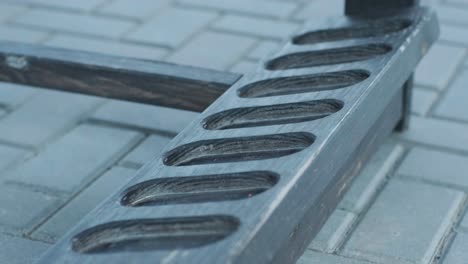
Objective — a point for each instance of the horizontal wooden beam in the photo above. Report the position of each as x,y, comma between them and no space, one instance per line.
254,177
141,81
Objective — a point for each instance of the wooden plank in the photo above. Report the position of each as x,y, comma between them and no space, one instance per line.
252,179
141,81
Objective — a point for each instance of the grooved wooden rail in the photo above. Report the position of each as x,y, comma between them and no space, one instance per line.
254,177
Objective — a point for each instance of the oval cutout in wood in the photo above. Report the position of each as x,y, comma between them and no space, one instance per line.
238,149
198,189
327,56
272,114
367,30
303,84
154,234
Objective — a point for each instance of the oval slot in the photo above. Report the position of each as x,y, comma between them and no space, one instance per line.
272,114
197,189
303,84
154,234
327,57
238,149
368,30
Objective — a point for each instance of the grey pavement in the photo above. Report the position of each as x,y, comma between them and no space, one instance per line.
61,154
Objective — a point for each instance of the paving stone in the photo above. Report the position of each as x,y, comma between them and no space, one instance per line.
454,34
263,49
422,101
439,65
320,10
464,222
21,210
453,104
149,149
436,132
257,7
107,47
245,67
460,2
436,166
74,211
17,34
75,23
256,27
86,5
44,116
457,254
146,117
184,24
9,155
453,14
75,159
130,9
312,257
369,181
15,250
212,50
12,95
7,11
333,232
405,224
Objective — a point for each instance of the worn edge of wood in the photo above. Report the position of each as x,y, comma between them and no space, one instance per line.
142,81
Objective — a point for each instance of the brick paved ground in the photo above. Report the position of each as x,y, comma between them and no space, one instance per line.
61,154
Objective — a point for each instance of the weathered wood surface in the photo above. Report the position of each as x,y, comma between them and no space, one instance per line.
254,184
141,81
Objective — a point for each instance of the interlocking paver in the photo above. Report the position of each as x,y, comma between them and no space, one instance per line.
454,103
213,50
22,35
140,10
149,149
84,5
333,233
320,10
439,65
107,47
45,116
457,253
452,14
368,182
405,224
255,8
75,159
7,11
74,23
183,24
21,210
244,67
9,155
464,222
263,49
463,2
16,250
81,205
422,100
312,257
265,28
454,34
146,117
431,132
436,166
12,95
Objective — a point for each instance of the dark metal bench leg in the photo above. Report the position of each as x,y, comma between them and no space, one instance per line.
407,88
377,8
